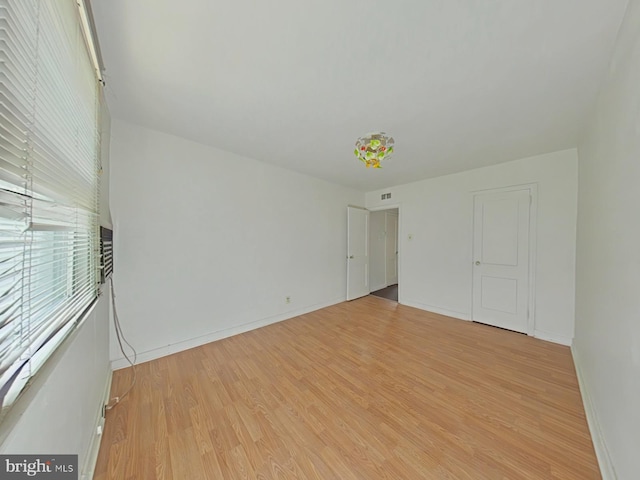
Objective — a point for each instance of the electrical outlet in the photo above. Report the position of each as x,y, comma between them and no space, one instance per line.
100,427
287,299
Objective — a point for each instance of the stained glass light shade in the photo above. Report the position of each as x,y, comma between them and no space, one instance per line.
373,148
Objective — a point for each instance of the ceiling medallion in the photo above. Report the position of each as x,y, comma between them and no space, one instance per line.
373,148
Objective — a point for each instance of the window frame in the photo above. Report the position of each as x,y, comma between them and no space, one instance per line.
69,262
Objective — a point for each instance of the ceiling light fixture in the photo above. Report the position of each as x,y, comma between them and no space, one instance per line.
373,148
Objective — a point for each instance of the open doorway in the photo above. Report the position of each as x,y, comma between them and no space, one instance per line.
383,253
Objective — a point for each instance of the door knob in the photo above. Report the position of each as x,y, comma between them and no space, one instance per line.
478,262
350,256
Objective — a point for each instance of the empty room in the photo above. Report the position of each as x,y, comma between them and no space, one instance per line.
319,239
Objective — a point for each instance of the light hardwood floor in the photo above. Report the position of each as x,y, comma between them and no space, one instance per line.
362,390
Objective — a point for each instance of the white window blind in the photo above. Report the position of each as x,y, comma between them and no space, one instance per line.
49,156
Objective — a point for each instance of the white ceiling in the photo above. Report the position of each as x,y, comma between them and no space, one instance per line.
459,83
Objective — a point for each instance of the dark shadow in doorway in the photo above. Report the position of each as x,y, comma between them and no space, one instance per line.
391,292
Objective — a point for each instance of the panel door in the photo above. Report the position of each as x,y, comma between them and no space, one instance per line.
501,259
357,252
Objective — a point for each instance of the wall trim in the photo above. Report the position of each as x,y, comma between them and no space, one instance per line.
438,310
91,457
155,353
384,208
602,452
540,334
553,337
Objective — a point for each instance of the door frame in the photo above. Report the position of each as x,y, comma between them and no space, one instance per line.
533,216
393,206
386,239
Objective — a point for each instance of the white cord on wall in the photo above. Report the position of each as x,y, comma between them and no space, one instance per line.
121,338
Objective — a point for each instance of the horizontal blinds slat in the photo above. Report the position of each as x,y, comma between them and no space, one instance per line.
42,300
64,311
12,154
9,295
43,310
17,79
10,275
8,166
9,313
17,87
37,338
53,287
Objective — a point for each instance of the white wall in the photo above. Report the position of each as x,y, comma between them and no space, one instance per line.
377,252
607,342
58,413
209,244
436,266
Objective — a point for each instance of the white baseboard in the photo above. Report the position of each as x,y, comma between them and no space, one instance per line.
602,453
159,352
552,337
94,448
375,288
438,310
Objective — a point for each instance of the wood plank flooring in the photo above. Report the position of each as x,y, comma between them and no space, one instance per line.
361,390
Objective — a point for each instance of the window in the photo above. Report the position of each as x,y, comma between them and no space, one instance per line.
49,163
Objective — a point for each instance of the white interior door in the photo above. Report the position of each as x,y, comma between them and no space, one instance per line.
501,259
391,247
357,252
